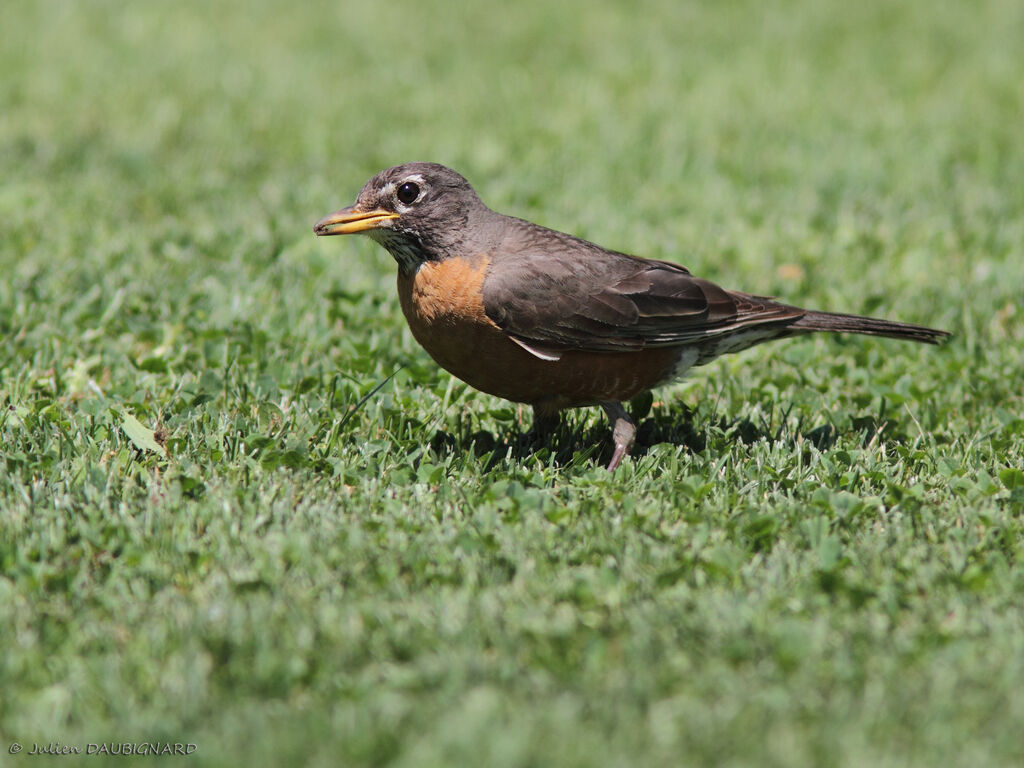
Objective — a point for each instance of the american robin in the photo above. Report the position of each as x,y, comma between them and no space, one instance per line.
544,318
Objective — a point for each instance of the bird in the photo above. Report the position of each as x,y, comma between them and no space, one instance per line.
540,317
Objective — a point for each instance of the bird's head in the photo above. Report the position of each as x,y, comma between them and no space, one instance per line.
418,211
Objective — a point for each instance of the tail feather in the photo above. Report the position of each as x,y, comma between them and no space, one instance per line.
838,323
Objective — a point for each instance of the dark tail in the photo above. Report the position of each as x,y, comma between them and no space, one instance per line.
828,321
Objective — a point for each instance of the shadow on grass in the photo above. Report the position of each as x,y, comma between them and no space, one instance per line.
676,428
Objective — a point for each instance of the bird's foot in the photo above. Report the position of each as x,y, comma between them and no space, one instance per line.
623,432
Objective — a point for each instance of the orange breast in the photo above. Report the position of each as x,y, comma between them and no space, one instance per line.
442,301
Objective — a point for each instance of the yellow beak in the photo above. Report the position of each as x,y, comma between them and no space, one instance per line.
350,220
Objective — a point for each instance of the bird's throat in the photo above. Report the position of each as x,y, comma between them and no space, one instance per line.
406,251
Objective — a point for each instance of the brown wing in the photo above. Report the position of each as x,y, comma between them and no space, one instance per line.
563,293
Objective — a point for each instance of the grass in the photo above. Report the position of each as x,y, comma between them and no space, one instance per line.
815,556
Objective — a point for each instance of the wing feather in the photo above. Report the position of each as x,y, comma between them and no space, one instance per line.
556,292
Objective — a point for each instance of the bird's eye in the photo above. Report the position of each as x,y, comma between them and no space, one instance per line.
407,193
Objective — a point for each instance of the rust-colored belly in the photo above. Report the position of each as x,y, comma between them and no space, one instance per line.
442,303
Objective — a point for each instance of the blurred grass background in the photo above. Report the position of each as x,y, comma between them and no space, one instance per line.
813,559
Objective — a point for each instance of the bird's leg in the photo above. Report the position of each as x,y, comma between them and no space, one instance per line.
623,432
545,424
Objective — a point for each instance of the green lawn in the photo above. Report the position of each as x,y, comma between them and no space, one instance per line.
815,556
